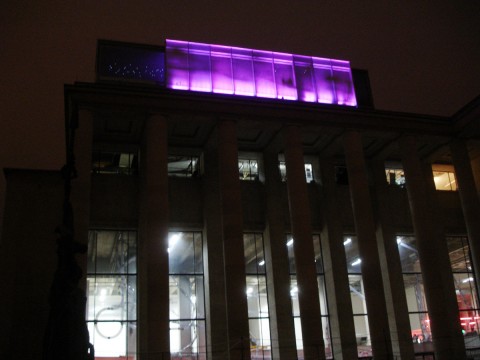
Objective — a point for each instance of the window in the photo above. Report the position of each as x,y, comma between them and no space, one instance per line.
257,299
248,169
183,166
357,294
395,177
445,180
465,288
110,162
321,292
187,300
414,290
308,171
112,293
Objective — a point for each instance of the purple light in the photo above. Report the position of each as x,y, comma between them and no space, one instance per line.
232,70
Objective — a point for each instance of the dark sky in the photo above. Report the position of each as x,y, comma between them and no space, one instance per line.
422,56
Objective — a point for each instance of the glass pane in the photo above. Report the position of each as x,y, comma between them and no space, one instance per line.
322,295
264,74
362,333
260,345
112,252
414,292
298,336
108,298
408,252
308,173
465,290
318,254
184,253
177,65
470,321
342,80
352,254
444,180
323,80
113,339
183,166
420,327
257,297
187,339
357,294
327,337
294,295
199,63
304,77
221,65
186,297
242,64
284,76
459,252
291,255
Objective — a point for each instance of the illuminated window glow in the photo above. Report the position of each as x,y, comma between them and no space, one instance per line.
238,71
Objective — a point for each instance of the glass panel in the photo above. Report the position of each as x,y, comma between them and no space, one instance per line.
342,79
184,253
357,294
444,181
199,63
284,76
111,297
113,339
183,166
459,252
177,65
465,290
354,263
308,173
248,169
187,339
260,347
322,295
254,255
414,292
117,61
291,255
298,336
395,177
327,337
242,64
362,333
323,80
470,322
108,162
257,296
407,249
186,297
318,254
304,78
294,295
221,64
420,327
264,74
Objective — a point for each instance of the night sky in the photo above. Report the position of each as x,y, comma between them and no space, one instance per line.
423,57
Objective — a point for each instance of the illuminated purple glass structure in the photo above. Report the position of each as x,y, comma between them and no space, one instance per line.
238,71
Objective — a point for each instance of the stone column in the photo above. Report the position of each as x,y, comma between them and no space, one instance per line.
391,265
154,326
335,266
216,307
367,245
233,251
80,193
433,253
282,328
470,202
300,217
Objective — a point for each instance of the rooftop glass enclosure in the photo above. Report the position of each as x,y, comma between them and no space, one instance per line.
238,71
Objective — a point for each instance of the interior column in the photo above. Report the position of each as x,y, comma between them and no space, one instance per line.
367,245
154,325
433,253
300,218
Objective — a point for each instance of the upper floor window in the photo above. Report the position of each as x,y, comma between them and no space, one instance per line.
444,179
308,171
248,169
395,176
111,162
183,166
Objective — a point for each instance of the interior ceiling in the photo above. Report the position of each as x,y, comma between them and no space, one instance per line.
124,129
